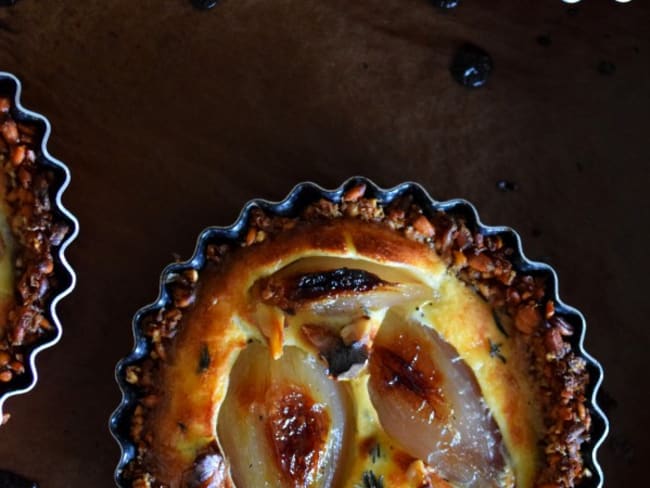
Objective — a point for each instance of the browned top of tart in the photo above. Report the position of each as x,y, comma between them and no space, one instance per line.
356,345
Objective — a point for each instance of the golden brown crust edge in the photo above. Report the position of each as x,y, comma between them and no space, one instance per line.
483,262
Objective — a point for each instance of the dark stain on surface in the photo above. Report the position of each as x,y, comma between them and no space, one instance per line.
445,4
471,66
4,26
507,185
606,68
204,4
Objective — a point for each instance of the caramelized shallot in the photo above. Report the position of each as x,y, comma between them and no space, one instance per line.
429,402
337,291
283,421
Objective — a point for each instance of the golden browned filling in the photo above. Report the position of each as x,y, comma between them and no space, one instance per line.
28,231
359,346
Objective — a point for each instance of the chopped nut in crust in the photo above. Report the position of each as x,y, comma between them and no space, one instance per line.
354,193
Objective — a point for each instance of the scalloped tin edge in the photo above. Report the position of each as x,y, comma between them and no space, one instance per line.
118,422
26,381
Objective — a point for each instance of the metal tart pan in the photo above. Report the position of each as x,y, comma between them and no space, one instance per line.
64,276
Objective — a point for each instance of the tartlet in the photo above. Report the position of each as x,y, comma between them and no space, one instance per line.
358,337
35,229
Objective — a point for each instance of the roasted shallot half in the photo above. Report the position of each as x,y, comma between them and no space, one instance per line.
429,402
283,422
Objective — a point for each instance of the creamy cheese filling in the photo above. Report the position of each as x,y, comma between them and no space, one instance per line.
465,322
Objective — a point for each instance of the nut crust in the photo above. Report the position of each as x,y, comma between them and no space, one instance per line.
35,231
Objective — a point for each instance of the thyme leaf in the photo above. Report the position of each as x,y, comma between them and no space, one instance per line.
370,480
495,351
204,359
500,326
375,453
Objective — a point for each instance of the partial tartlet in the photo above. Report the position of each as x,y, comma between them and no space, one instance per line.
359,337
34,230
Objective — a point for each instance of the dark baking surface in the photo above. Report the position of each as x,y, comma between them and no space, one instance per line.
171,118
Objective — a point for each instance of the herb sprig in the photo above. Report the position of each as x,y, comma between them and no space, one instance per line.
204,359
495,351
370,480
